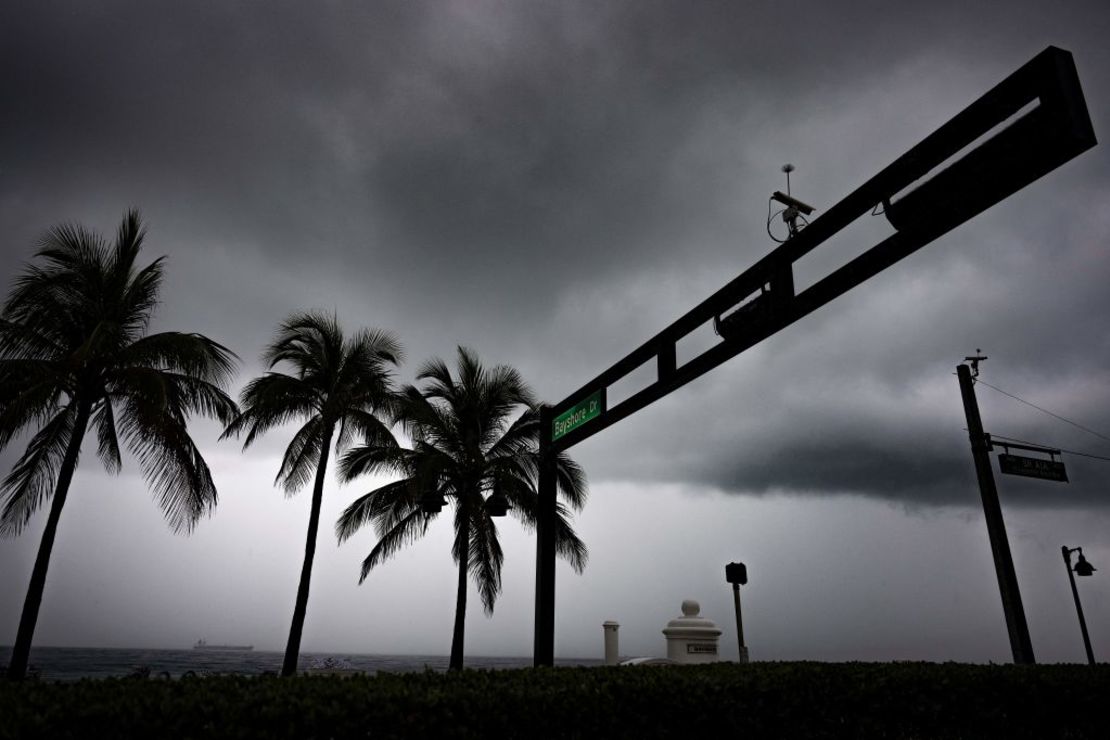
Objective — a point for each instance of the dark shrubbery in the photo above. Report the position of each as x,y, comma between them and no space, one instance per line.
772,700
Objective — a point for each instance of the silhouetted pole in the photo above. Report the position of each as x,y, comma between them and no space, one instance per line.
739,623
996,528
543,648
737,575
1078,606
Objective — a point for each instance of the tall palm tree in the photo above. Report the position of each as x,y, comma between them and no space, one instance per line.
465,444
74,351
337,382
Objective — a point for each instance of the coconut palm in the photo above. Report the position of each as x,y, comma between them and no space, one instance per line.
74,351
338,383
465,445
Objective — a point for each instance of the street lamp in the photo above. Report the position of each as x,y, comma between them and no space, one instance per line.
737,574
1082,568
498,503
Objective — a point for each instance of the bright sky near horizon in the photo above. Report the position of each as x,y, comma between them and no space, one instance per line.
550,183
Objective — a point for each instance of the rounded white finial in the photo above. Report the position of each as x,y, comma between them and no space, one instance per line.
690,608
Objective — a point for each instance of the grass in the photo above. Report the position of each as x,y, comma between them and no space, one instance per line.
761,700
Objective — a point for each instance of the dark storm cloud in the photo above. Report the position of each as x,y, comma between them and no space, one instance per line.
553,182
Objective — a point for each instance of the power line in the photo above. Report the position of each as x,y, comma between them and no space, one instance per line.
1046,411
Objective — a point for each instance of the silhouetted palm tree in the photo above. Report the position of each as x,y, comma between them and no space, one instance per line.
74,351
337,382
464,444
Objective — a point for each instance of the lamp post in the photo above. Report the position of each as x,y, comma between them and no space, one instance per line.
1082,568
737,574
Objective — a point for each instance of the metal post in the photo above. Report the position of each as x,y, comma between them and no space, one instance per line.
1078,606
543,647
739,624
1020,643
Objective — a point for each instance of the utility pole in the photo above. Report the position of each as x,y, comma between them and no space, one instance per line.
1020,644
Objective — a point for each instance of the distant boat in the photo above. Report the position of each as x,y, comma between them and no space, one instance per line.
202,645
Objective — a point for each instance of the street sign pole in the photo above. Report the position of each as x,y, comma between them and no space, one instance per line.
543,647
1020,643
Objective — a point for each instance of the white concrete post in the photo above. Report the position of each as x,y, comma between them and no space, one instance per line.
611,648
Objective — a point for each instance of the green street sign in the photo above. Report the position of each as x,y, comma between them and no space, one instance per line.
1033,467
578,414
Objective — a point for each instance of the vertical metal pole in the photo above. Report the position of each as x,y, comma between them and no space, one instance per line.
1078,606
1020,644
543,647
739,624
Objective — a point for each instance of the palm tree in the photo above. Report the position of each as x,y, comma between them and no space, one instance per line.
337,382
73,352
464,444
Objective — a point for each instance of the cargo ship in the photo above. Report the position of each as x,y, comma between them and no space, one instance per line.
202,645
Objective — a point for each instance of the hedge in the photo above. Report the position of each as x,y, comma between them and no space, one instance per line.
761,700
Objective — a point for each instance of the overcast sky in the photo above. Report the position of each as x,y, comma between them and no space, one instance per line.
550,183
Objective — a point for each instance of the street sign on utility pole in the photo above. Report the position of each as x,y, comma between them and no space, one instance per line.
1032,467
585,410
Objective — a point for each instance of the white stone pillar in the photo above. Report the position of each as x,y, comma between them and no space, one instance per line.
611,644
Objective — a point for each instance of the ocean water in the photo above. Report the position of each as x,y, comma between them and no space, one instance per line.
72,664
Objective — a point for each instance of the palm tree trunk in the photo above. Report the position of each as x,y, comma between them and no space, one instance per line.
456,663
21,652
293,647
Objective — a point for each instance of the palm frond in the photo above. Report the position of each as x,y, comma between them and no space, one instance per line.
440,383
30,391
371,459
129,240
301,456
140,297
23,341
503,392
567,543
170,461
485,559
369,428
182,393
427,422
310,341
519,438
383,507
107,439
189,354
570,480
271,400
407,531
32,479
